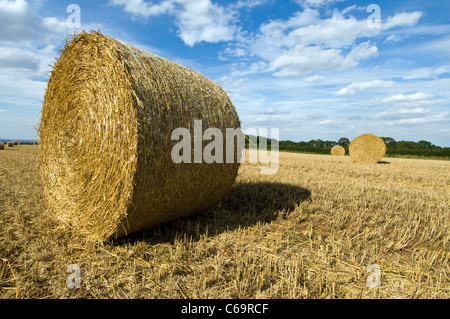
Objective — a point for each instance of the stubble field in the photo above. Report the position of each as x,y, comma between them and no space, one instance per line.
309,231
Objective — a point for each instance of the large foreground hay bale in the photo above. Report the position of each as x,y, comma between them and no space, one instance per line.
338,151
367,148
105,136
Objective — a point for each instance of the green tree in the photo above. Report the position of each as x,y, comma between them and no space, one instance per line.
343,141
425,144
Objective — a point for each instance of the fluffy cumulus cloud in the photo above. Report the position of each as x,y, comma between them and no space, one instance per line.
28,44
302,44
201,20
307,42
357,87
246,4
303,60
15,58
403,19
19,22
27,40
145,9
197,20
416,101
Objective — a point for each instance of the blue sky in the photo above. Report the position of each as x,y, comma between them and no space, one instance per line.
312,68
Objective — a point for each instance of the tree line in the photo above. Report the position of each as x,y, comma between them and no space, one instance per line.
393,148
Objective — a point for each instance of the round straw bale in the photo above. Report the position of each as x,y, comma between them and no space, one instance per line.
10,144
338,151
367,148
103,94
16,143
2,146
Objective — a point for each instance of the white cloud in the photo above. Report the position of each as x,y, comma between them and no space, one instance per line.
334,32
426,72
19,22
393,38
303,60
402,113
440,45
254,68
362,52
273,37
15,58
327,122
145,9
404,19
422,119
201,20
305,43
351,8
28,44
356,87
316,3
307,28
421,73
197,20
315,79
246,4
268,111
237,52
409,98
12,84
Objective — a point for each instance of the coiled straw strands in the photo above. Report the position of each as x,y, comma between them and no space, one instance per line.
338,151
367,148
105,136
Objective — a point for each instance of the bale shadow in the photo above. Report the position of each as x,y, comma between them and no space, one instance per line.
247,204
383,162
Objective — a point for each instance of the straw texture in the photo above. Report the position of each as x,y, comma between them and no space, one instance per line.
338,151
105,137
367,148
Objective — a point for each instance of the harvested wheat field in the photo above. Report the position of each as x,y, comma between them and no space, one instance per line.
305,232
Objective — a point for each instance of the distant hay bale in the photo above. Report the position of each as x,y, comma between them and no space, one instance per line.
338,151
10,144
16,143
104,94
367,148
2,146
